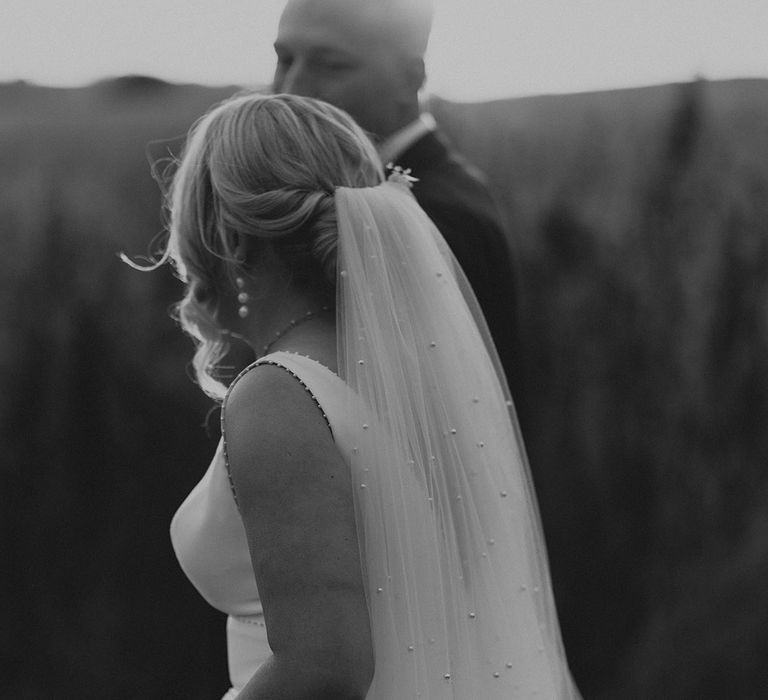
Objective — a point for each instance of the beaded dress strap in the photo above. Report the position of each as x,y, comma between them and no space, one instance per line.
274,363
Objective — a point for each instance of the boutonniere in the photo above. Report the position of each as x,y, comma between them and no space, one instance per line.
400,176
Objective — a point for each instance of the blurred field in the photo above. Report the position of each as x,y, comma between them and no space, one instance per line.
640,222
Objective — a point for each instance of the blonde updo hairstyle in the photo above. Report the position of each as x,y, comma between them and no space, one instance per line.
258,170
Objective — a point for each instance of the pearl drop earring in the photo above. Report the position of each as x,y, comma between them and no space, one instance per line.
242,298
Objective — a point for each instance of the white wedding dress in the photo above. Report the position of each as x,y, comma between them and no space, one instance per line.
210,543
456,572
209,538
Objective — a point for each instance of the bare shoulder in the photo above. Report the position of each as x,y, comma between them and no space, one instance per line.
273,426
295,497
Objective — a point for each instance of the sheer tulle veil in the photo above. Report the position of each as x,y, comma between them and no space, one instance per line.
457,580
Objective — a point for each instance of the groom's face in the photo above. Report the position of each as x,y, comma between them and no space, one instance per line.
332,50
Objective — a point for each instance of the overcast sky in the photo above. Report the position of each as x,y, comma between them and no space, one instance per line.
480,49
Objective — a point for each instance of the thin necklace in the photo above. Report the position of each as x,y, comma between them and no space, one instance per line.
294,322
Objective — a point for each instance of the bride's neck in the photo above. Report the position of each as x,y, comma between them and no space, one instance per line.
291,320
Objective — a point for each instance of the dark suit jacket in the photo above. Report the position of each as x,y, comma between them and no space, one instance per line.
455,198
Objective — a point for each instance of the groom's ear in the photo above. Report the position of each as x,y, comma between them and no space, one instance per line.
414,73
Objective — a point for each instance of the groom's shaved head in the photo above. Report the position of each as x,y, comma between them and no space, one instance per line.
365,56
398,25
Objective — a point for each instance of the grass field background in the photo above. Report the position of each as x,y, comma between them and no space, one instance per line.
639,219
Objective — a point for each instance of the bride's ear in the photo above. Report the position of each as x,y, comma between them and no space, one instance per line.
259,261
248,250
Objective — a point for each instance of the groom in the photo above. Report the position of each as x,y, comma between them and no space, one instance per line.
367,57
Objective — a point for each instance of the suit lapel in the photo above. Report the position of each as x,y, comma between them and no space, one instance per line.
423,154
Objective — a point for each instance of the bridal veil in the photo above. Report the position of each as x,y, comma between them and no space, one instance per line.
457,580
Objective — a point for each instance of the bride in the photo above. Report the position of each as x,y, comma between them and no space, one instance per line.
367,523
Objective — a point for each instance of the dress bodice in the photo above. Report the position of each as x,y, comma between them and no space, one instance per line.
209,539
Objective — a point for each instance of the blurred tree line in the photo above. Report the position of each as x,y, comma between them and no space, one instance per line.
639,221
